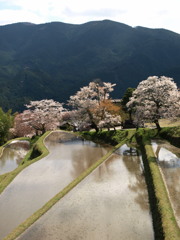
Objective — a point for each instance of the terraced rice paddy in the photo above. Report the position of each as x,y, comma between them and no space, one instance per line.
34,186
110,203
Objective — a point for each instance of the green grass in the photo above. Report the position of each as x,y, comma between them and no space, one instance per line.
172,134
110,137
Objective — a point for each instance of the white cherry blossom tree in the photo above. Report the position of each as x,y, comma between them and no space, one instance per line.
155,98
88,105
45,115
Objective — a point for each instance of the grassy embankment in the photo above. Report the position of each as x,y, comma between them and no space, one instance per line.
120,138
165,225
172,135
37,151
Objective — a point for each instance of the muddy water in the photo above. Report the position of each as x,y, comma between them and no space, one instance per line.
109,204
169,162
12,155
38,183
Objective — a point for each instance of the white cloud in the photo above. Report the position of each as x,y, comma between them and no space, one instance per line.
18,16
151,13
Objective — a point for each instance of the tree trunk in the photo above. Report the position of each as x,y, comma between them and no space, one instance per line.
93,124
157,125
130,116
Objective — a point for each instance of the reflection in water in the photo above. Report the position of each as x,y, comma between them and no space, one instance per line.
125,150
103,206
61,137
13,154
38,183
133,162
169,161
84,159
167,154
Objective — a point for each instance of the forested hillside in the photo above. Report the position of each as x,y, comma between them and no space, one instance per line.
54,60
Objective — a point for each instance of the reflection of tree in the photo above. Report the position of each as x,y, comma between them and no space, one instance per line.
13,152
59,137
88,155
133,165
83,159
104,171
19,145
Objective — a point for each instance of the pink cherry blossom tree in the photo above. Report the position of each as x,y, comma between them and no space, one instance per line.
155,98
88,105
21,126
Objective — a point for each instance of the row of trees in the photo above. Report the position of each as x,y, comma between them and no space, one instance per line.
6,121
91,107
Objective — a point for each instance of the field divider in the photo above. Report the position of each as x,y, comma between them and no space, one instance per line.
164,221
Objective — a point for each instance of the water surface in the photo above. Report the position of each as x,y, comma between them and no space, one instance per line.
168,157
109,204
35,185
12,155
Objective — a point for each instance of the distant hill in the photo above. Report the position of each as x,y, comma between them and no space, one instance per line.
54,60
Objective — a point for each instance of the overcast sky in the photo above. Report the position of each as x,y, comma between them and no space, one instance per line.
146,13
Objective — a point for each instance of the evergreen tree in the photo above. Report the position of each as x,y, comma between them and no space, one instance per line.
6,120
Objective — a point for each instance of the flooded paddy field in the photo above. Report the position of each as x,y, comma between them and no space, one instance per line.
168,158
35,185
110,203
12,155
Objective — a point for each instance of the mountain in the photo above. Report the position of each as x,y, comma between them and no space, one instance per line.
54,60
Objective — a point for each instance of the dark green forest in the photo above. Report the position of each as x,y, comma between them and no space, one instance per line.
54,60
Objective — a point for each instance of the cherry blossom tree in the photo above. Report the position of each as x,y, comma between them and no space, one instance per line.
107,114
44,115
155,98
72,121
88,104
21,126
